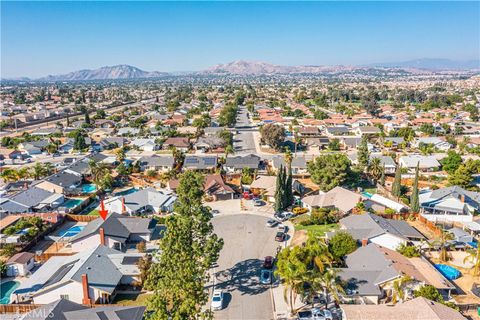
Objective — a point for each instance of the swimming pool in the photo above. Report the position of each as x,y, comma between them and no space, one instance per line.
89,188
72,203
6,290
73,231
125,192
448,272
367,194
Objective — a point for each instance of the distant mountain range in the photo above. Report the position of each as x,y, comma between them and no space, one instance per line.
242,67
105,73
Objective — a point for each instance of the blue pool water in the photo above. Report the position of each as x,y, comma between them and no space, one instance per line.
125,192
89,188
473,244
367,194
6,290
72,203
73,231
448,272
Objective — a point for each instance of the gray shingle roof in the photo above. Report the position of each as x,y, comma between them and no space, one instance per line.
239,162
64,179
157,161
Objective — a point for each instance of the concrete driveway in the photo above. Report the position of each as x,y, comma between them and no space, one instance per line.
247,242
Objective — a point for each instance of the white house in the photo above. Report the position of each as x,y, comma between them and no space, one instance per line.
20,264
425,163
145,144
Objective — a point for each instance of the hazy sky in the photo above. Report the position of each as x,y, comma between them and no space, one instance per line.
40,38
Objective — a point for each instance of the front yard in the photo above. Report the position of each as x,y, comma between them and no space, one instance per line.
132,299
317,230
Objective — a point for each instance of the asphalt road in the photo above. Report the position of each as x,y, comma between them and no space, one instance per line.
243,140
247,242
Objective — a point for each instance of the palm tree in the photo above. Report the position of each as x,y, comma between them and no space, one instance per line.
292,271
37,171
474,257
49,168
22,173
9,175
443,243
229,150
375,168
98,172
288,157
120,153
332,285
399,287
318,253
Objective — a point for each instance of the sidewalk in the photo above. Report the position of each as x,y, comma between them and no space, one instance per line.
281,309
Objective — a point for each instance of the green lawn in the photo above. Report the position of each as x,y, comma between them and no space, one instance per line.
317,230
125,299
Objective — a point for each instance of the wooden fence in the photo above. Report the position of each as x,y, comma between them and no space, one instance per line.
17,308
80,218
47,255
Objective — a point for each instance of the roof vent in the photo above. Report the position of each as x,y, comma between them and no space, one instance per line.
89,268
98,256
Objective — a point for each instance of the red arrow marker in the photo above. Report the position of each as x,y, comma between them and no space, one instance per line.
103,213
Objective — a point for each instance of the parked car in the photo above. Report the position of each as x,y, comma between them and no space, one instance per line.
258,202
215,212
288,214
280,217
268,262
280,237
271,223
314,314
266,276
299,210
247,195
217,300
282,228
313,299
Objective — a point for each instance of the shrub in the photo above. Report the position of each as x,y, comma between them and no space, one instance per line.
141,247
321,216
408,251
389,211
341,244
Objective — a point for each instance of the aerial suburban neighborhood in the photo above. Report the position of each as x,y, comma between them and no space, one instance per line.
246,190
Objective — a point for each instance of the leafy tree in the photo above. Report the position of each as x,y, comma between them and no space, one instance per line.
397,183
431,293
3,268
79,142
408,251
375,168
188,249
427,128
228,115
334,144
273,135
363,154
144,265
341,244
451,162
247,177
461,177
414,201
330,170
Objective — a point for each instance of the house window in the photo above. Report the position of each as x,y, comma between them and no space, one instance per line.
64,296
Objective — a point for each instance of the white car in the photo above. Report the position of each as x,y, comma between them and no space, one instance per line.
271,223
217,300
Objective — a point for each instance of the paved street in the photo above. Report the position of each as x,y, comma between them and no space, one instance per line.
247,242
243,140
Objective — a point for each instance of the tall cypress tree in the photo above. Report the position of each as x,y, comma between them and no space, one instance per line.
397,183
363,156
288,189
414,201
279,192
188,249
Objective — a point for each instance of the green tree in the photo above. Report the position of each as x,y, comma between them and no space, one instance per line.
279,191
188,249
474,258
363,154
408,251
79,142
273,135
334,144
288,188
451,162
341,244
330,170
397,183
414,201
37,171
375,168
461,177
247,177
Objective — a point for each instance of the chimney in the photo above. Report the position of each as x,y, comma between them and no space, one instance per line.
462,198
364,242
86,297
102,236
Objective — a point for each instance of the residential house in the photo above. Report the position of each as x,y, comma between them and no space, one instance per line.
425,163
367,131
238,163
386,162
10,154
450,204
393,141
372,271
298,165
338,198
157,163
180,143
215,187
350,142
209,143
128,131
20,264
145,144
90,276
212,131
337,131
141,201
109,143
309,132
265,186
33,147
34,199
316,143
61,182
388,233
116,231
64,309
418,308
437,143
203,163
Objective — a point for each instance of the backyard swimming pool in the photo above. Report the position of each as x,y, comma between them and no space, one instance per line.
73,231
448,272
6,290
89,188
125,192
72,203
